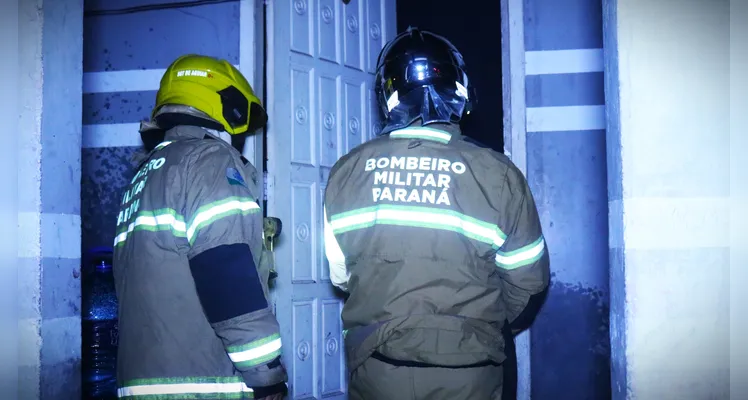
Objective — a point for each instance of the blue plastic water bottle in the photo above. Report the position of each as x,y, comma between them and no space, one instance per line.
99,327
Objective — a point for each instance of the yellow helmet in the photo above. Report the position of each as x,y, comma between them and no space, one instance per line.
206,91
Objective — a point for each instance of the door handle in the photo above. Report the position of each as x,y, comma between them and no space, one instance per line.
271,229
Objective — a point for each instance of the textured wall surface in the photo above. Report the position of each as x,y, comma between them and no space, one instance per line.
667,66
127,48
566,166
49,199
738,201
9,107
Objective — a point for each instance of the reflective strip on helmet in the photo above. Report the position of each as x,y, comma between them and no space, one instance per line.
422,217
422,132
181,388
212,212
154,221
257,352
522,256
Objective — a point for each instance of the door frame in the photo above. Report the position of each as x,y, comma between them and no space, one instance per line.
254,62
252,65
515,137
513,81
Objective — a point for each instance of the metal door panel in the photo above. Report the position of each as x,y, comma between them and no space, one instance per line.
321,56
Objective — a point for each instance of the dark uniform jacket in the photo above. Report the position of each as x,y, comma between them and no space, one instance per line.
192,194
438,242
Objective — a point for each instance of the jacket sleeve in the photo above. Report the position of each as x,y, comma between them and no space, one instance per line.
220,215
339,275
522,260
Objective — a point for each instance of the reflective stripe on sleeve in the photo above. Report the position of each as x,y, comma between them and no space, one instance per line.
181,388
522,256
154,221
168,219
212,212
257,352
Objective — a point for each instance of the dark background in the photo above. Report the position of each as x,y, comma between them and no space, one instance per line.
474,27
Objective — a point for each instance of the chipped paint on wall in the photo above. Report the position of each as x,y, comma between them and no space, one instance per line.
106,171
118,107
153,39
570,343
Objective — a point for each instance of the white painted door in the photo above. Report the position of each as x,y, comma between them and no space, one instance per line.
321,56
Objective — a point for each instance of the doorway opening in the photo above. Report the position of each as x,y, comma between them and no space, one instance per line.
474,27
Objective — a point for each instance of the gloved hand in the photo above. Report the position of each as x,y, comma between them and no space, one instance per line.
274,392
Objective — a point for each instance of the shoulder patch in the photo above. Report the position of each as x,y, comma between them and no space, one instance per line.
235,177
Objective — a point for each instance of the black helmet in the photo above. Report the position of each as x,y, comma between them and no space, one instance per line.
421,75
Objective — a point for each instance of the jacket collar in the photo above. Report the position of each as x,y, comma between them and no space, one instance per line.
194,132
442,133
186,132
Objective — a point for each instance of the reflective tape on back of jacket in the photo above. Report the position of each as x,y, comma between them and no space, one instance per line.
191,194
438,241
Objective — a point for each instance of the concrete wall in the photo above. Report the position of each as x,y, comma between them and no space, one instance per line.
49,134
738,201
128,44
9,75
565,164
668,169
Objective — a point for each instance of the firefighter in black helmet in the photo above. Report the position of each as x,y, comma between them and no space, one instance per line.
436,238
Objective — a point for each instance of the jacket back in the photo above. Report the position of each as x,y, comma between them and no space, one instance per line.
423,217
169,213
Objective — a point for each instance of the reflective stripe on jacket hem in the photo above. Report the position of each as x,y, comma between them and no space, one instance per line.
180,388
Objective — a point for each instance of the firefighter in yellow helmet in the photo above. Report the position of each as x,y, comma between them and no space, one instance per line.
194,316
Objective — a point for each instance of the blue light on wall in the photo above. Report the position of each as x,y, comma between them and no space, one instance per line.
566,169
